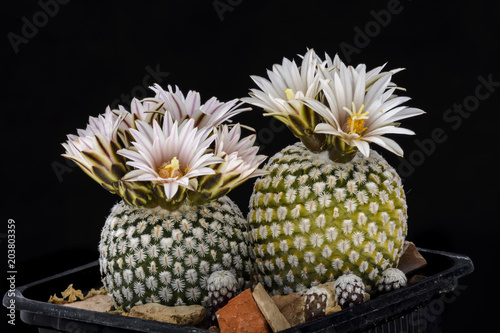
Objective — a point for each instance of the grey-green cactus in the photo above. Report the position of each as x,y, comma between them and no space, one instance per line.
156,255
172,160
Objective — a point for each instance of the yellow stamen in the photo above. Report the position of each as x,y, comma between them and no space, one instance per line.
289,94
171,169
356,123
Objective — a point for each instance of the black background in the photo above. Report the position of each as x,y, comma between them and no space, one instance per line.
90,53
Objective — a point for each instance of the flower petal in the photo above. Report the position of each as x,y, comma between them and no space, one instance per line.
170,189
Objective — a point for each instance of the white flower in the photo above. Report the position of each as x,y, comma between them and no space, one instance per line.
104,126
240,156
359,107
210,114
94,149
172,154
281,96
286,82
145,110
239,162
156,153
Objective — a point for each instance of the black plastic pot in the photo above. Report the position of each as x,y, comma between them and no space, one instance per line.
416,308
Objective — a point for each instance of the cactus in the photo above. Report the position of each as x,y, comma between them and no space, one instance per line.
353,217
172,160
316,300
349,290
329,203
222,286
392,279
152,255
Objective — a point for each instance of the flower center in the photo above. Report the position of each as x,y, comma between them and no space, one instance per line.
171,169
289,94
356,123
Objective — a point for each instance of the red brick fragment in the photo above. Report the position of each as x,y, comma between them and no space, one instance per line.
242,315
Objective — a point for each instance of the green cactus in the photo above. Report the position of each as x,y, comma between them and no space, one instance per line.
329,204
313,219
156,255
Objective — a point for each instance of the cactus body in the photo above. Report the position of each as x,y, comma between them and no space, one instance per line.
222,286
315,303
349,290
392,279
313,219
157,255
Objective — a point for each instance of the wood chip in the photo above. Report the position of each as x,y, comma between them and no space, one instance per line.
291,306
274,317
100,303
180,315
411,260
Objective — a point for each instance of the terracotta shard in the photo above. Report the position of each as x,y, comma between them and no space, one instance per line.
242,315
